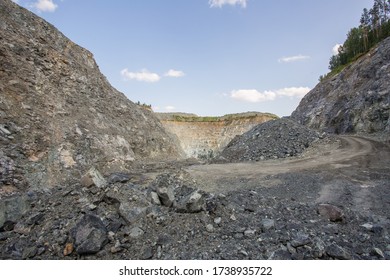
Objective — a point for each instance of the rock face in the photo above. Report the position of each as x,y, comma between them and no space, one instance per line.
59,116
205,137
357,100
274,139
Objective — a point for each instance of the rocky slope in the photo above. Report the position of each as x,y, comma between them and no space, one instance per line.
59,116
357,100
170,218
205,137
271,140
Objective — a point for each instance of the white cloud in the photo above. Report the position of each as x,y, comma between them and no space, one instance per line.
252,95
45,5
169,108
142,76
335,49
174,73
293,58
220,3
255,96
293,91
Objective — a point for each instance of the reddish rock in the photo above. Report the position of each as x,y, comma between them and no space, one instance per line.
331,212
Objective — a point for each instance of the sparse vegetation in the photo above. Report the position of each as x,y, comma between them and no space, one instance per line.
144,105
182,117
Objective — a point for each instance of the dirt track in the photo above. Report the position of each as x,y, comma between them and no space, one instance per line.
350,152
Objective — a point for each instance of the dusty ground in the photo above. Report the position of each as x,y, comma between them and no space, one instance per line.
356,159
350,160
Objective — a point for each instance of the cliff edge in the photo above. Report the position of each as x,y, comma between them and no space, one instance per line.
357,100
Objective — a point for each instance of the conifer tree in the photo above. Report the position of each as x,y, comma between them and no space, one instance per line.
374,27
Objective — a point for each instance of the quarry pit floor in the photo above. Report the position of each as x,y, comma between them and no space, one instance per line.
352,170
349,152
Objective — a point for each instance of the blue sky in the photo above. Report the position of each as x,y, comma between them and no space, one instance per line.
208,57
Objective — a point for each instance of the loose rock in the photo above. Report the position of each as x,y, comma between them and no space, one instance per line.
337,252
267,224
118,178
90,235
331,212
93,178
13,208
191,203
166,195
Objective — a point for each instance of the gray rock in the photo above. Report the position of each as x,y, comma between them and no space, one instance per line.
192,203
131,202
154,198
300,240
90,235
4,130
116,248
291,249
378,252
93,178
148,253
244,253
30,252
13,208
136,232
210,228
166,195
4,235
337,252
267,224
280,254
318,249
250,232
132,213
118,178
35,219
367,226
376,228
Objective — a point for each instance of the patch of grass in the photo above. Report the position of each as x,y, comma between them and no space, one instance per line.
340,68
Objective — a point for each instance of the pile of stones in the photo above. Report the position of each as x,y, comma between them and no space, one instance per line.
274,139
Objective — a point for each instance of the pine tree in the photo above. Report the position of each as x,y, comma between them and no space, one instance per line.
353,44
374,27
365,26
375,18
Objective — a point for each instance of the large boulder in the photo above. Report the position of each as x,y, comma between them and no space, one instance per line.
90,235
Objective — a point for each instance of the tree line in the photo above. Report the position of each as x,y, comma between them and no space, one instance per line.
374,27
